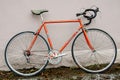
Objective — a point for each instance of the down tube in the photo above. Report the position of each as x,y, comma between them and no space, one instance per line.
69,40
74,34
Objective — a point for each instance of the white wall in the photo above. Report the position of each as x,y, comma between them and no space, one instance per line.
15,16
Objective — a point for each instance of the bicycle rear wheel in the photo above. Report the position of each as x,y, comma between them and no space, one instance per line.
98,60
22,64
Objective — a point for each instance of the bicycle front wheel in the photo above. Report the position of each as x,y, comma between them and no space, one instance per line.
22,64
101,58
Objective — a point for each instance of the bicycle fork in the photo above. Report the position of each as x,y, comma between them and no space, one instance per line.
88,40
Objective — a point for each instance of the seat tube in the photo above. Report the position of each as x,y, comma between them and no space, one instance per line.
42,19
48,37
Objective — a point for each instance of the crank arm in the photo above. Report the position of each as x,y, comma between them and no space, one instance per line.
60,55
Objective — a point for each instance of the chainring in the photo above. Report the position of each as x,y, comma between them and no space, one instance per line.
54,59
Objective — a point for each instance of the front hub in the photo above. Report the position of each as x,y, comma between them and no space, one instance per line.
27,55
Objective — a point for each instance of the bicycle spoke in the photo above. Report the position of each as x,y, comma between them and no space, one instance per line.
101,58
17,58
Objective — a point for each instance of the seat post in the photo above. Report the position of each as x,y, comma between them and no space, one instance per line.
42,19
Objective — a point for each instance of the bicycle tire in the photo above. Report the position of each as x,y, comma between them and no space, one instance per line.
94,61
16,60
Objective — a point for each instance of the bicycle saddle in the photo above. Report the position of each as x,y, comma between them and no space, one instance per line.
38,12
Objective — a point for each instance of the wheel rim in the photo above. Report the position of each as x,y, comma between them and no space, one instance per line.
18,63
96,61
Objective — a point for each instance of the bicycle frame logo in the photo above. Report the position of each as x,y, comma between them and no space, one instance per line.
73,35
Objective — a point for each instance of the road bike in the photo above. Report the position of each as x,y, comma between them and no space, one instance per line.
93,50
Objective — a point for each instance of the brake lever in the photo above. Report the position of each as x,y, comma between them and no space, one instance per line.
97,9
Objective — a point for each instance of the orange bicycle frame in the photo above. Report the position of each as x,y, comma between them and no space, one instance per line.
73,35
